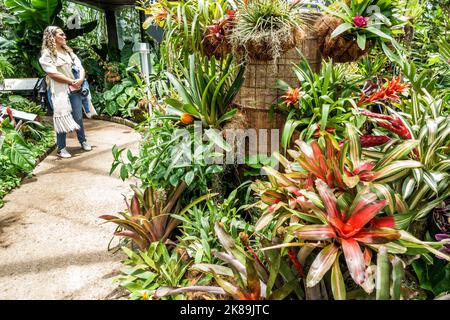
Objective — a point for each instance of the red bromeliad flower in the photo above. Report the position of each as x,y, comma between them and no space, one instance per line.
391,123
10,114
214,30
325,165
388,92
347,230
368,141
231,14
218,29
360,21
291,96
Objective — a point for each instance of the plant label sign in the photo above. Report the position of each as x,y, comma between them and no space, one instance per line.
19,114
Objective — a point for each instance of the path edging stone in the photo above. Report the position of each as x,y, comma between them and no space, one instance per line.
118,120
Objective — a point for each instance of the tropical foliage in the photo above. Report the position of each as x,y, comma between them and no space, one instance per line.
359,209
20,145
367,20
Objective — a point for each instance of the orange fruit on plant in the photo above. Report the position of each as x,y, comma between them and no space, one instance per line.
186,118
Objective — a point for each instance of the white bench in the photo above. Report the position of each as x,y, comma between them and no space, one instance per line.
24,84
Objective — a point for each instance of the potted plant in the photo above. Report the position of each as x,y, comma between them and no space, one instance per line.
348,31
264,29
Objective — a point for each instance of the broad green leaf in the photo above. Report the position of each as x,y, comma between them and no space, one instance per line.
341,29
189,177
122,100
379,33
361,41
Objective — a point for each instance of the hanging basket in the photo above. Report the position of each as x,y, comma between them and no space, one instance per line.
219,48
342,48
268,46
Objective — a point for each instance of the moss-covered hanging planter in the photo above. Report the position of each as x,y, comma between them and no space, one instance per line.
343,48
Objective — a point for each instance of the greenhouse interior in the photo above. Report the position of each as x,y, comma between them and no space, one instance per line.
224,150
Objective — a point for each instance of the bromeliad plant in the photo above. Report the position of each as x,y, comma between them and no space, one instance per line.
148,216
207,89
246,277
343,166
367,19
363,23
216,38
346,228
321,103
147,270
424,119
332,196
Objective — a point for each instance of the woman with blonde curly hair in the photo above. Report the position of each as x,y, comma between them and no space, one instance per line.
64,90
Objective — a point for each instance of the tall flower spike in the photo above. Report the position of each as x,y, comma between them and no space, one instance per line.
390,123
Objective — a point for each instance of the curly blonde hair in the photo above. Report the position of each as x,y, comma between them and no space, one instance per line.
49,42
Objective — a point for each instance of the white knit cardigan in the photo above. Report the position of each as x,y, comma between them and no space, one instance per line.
62,109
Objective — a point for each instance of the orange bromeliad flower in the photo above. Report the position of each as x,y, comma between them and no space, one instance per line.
160,15
388,92
291,96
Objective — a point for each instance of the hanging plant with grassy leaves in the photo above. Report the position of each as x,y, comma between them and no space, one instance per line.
350,30
185,23
264,29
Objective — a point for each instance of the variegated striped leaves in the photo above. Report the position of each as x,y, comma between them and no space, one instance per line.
321,264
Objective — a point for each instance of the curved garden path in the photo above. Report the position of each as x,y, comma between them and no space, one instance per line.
52,244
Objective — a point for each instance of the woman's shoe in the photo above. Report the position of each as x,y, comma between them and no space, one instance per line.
63,153
86,146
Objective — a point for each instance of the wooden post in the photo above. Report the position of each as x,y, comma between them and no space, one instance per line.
141,22
113,40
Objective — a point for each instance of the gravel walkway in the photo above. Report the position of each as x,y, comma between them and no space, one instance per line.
52,244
